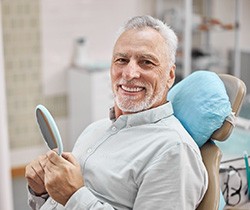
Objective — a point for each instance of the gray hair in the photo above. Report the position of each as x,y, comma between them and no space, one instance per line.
167,33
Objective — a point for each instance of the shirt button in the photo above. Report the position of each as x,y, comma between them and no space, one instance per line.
114,128
89,150
53,202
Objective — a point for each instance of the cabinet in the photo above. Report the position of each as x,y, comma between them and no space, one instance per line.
89,99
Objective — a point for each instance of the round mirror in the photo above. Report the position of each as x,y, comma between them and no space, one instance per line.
49,129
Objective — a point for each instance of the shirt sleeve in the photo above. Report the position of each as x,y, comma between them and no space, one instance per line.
35,202
84,199
176,180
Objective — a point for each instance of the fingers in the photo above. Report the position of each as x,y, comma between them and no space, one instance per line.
66,157
52,162
33,176
63,176
34,173
59,176
34,170
69,157
53,157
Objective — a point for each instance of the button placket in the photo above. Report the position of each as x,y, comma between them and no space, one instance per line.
89,150
114,129
92,149
53,202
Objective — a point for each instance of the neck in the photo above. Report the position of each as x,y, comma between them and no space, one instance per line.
119,112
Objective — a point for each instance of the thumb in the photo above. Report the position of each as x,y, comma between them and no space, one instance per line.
69,157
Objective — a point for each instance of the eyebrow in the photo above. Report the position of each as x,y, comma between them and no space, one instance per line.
146,55
141,55
149,56
120,55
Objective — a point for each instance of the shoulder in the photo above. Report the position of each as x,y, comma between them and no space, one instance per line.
97,125
174,130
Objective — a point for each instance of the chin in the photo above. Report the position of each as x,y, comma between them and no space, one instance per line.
132,107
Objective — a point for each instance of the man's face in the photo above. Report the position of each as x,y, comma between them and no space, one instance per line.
140,71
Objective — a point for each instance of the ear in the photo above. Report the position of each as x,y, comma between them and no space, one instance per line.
171,77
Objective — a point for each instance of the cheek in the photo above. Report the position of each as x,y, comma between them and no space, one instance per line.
115,77
161,86
159,82
115,73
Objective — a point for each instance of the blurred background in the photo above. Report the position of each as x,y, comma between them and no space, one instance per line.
57,53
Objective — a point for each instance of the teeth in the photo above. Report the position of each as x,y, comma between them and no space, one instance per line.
135,89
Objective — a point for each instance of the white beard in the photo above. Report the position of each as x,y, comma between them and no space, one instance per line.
128,103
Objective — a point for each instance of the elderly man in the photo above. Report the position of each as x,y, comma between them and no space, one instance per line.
141,158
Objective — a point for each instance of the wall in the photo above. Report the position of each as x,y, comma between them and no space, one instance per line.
23,67
5,181
96,21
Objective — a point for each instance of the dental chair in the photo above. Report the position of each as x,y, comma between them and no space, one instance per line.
206,104
211,154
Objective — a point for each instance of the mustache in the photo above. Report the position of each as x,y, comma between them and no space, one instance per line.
131,82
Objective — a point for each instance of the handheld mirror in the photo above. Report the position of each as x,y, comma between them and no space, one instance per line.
49,129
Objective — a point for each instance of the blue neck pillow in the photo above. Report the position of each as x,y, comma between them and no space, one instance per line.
201,104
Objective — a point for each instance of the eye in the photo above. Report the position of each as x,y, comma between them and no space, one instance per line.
147,63
121,61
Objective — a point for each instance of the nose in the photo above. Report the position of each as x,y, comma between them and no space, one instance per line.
131,71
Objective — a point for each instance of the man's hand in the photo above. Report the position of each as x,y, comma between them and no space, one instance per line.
34,174
62,177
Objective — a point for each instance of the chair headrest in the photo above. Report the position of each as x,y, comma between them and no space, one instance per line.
236,91
201,103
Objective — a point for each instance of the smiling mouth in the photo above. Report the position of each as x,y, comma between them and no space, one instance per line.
131,89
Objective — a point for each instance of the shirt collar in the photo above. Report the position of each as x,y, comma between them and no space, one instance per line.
144,117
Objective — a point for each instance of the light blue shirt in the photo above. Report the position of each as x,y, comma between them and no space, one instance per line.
140,161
